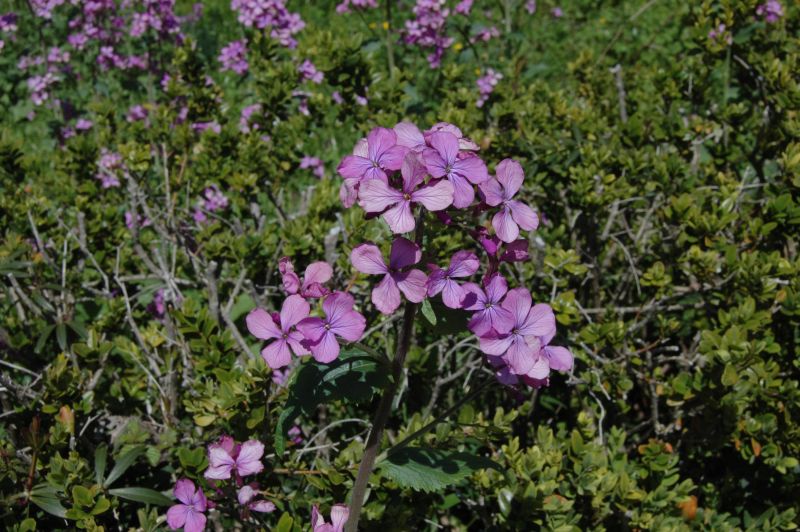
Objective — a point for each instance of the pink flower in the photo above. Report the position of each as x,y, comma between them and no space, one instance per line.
771,10
461,169
190,515
340,320
463,142
490,316
316,274
520,347
367,258
410,136
371,158
226,457
261,325
376,196
247,493
462,264
339,515
513,214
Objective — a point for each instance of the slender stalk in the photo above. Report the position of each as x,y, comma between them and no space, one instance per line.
384,407
389,50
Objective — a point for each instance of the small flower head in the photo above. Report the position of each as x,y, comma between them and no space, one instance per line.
190,513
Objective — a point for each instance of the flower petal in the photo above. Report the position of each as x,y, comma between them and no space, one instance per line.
367,258
446,144
277,354
392,159
435,197
518,302
195,522
294,309
413,172
409,135
295,340
375,196
492,192
312,329
220,463
523,215
399,218
496,288
495,344
474,297
505,226
176,516
317,272
560,358
472,168
463,264
380,140
463,193
348,192
260,325
510,175
452,294
434,163
249,460
262,506
245,494
412,284
386,295
404,253
520,356
339,515
354,167
326,349
184,490
540,321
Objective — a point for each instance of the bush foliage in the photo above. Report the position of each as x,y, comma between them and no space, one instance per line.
661,145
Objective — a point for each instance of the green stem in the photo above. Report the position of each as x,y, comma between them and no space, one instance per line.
389,50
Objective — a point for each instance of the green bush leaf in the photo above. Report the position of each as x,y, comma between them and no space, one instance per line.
143,495
123,463
432,469
46,498
353,376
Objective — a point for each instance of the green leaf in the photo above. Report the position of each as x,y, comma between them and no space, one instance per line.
46,498
81,496
100,458
427,311
61,336
729,375
143,495
353,376
284,523
432,469
123,463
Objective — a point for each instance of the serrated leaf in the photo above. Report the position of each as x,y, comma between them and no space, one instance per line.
432,469
46,498
353,376
123,463
143,495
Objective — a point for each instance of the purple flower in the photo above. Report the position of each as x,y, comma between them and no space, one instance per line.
464,7
316,275
361,100
234,57
309,72
370,160
286,340
557,12
109,166
136,113
207,126
245,496
44,8
8,22
245,124
463,142
520,347
513,214
190,514
340,320
314,163
486,85
428,29
397,278
489,317
345,6
83,124
462,264
339,515
337,98
462,169
530,6
214,199
139,221
771,10
226,457
270,14
376,196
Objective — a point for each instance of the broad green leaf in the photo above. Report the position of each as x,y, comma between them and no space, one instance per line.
123,463
81,496
46,498
353,376
143,495
284,523
427,311
100,458
432,469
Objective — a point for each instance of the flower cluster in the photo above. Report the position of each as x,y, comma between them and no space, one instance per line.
398,174
346,5
720,33
314,164
309,72
486,85
771,11
213,200
8,26
339,515
427,29
234,57
109,168
272,14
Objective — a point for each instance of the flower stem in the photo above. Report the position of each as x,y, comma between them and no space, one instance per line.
385,406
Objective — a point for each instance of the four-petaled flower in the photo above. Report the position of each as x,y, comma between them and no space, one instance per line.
261,325
490,315
370,159
520,347
226,457
367,258
375,195
462,169
462,264
339,515
190,514
340,320
513,214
